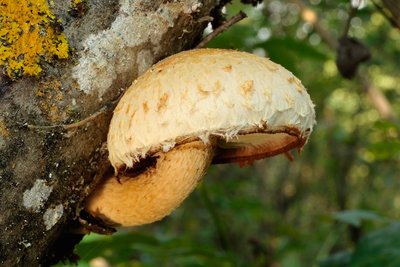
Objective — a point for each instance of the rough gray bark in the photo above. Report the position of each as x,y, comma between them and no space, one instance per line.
46,172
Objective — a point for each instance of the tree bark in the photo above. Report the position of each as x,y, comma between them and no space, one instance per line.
46,169
394,8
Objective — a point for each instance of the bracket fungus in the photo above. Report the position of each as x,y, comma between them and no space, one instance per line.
189,110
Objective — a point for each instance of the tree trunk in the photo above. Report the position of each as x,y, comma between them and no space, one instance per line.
46,168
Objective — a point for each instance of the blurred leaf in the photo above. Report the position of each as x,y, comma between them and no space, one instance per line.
385,149
124,249
386,125
379,248
292,259
355,217
339,259
234,38
290,52
120,243
301,48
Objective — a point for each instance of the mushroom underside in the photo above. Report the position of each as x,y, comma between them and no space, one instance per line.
155,192
255,146
246,146
158,184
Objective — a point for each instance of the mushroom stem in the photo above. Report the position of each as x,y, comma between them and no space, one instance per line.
154,193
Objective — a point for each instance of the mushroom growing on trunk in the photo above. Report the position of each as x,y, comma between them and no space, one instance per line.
190,110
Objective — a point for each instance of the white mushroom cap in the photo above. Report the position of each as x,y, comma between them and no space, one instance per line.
256,107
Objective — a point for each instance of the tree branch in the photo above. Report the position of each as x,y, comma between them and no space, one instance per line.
107,108
386,14
394,8
223,27
378,100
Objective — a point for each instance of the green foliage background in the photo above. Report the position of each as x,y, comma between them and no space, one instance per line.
336,205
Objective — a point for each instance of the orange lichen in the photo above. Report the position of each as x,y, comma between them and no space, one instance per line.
50,95
3,130
28,34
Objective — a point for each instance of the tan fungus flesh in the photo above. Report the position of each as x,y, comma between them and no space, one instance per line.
156,192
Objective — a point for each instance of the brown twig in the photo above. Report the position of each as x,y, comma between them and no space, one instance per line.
383,11
107,107
378,100
238,17
393,6
352,13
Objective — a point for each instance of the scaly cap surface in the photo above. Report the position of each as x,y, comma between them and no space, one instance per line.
200,93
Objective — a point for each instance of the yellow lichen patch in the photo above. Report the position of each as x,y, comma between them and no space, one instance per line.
3,130
247,88
297,83
27,35
162,103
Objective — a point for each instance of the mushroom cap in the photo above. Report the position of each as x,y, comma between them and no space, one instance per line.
256,108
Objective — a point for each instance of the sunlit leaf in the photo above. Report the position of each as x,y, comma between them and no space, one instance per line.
340,259
291,53
120,243
301,48
234,38
355,217
385,149
379,248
